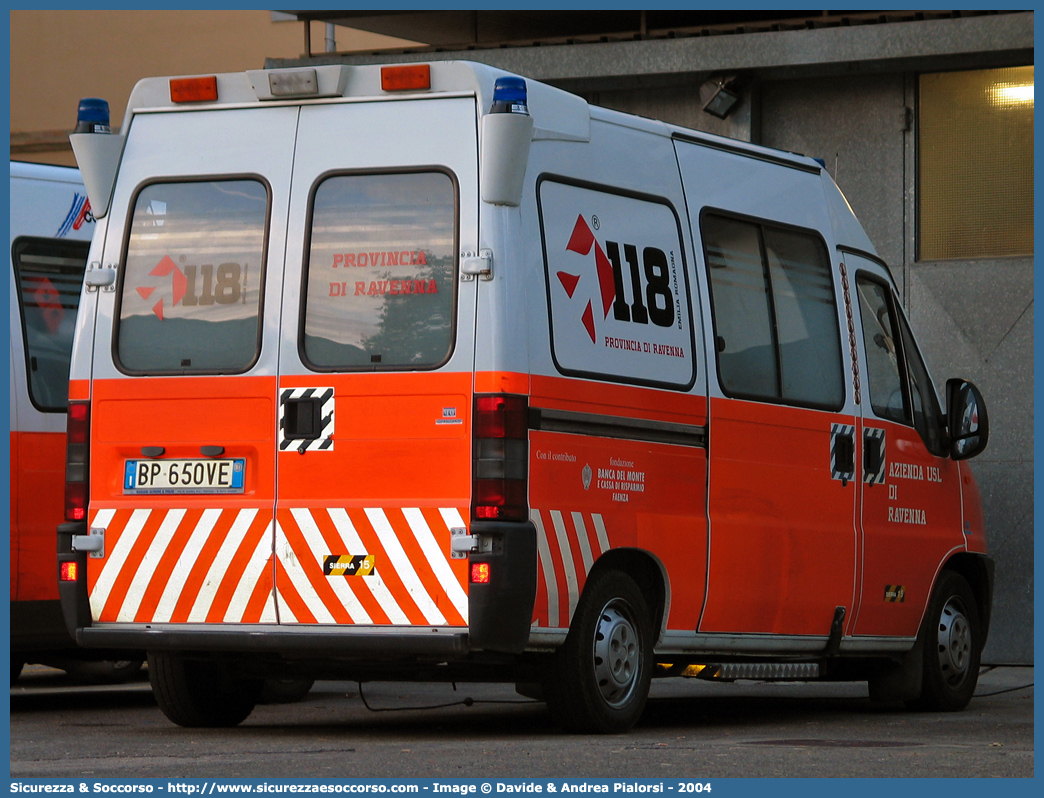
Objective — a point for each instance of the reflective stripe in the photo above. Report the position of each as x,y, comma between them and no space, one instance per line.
375,584
437,560
585,543
567,560
173,589
147,568
116,559
603,538
340,587
260,559
548,567
219,567
403,567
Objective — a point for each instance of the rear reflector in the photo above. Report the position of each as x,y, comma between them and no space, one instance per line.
193,90
411,77
68,571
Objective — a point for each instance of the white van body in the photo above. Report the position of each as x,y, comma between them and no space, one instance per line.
432,371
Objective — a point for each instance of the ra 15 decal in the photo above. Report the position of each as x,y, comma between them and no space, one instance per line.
618,292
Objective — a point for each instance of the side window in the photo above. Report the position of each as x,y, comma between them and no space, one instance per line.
775,318
381,272
927,414
880,337
892,359
49,273
192,277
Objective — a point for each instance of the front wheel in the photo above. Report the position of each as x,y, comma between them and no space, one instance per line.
201,693
598,681
952,646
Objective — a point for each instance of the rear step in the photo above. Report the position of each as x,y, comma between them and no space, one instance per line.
753,670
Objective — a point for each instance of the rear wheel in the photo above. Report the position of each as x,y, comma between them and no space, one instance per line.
598,681
952,646
200,693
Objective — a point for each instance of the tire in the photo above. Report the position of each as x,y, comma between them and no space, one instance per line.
952,646
198,693
598,681
16,669
284,691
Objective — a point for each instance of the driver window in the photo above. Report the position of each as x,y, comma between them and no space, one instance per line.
880,341
926,412
891,359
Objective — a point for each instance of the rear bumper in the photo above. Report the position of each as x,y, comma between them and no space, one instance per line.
369,642
500,614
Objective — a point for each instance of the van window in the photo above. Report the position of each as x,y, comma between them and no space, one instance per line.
192,277
891,356
927,415
381,272
775,318
49,273
880,338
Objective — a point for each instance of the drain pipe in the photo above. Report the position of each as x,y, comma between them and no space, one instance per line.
331,38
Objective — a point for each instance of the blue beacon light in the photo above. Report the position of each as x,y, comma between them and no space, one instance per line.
92,116
510,96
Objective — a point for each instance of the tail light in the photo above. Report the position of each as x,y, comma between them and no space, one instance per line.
76,460
500,458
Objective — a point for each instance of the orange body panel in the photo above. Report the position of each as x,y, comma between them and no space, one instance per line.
783,543
395,479
590,494
37,508
183,558
910,524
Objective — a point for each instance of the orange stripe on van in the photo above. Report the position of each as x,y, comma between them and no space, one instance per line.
501,382
79,390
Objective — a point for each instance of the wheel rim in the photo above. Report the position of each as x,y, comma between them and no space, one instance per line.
955,642
617,654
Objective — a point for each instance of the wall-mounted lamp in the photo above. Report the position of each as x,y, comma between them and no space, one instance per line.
717,97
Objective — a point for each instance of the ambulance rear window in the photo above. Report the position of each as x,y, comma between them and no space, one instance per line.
192,277
380,275
49,273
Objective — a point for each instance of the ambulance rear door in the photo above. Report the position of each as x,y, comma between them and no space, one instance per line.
182,464
376,363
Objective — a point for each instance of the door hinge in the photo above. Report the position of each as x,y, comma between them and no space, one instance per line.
98,276
93,543
474,265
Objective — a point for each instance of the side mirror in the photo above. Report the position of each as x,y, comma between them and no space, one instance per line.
966,419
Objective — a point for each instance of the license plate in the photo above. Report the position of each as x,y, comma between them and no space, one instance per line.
184,476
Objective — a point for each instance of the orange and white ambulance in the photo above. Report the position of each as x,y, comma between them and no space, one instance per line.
432,371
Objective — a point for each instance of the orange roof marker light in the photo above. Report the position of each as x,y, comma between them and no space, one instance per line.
409,77
193,90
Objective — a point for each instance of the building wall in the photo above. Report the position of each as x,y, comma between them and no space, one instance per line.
57,57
